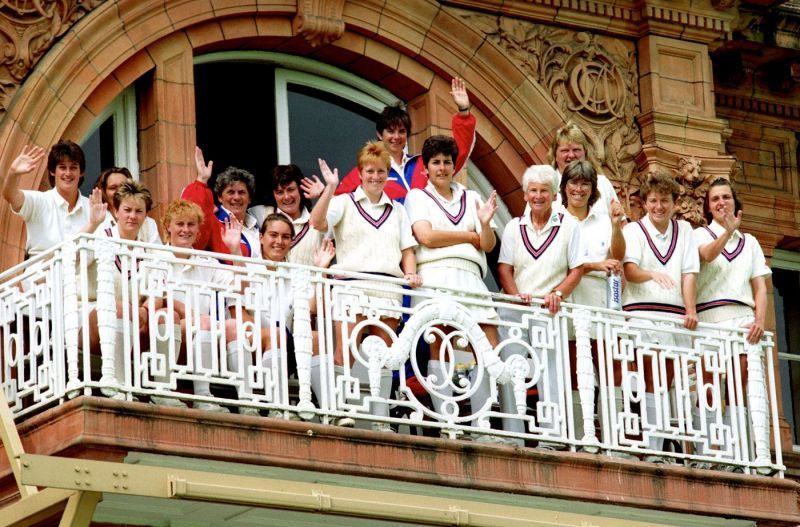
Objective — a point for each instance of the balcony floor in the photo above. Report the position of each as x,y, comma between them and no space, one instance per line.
101,429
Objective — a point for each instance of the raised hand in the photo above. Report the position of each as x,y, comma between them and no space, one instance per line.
486,212
232,234
616,212
731,222
312,188
459,93
203,169
27,160
324,254
331,177
97,209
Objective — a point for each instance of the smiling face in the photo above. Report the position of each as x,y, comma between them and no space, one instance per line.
373,179
235,198
288,199
566,153
440,170
540,197
276,240
394,139
659,208
130,216
578,193
67,176
183,230
720,202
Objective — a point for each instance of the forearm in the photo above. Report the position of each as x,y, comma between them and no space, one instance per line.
710,251
11,192
617,249
438,239
636,275
689,292
569,283
488,238
759,286
318,218
505,273
408,261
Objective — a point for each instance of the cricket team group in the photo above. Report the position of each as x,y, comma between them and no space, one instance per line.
405,216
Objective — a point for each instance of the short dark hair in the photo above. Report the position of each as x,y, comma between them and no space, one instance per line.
230,176
439,144
719,182
102,179
393,116
64,149
284,175
580,170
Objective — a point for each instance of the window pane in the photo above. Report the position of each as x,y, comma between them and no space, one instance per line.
787,287
99,151
327,126
235,106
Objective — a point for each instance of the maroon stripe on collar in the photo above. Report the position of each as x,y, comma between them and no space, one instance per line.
536,252
729,255
462,208
372,221
299,236
663,258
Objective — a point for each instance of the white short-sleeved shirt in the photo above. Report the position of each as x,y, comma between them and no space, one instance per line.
636,243
596,231
509,241
541,259
49,221
375,210
458,214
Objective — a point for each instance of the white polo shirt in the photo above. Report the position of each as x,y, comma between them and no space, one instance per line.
49,221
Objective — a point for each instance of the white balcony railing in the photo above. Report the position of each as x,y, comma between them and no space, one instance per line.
46,358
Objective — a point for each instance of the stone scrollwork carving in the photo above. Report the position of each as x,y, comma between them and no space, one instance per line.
592,79
693,190
319,21
28,28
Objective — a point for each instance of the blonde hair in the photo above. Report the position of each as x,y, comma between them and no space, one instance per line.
661,182
373,152
181,207
133,189
568,134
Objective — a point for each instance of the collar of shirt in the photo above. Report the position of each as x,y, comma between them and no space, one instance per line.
553,221
455,186
400,168
302,219
249,220
360,195
719,230
61,203
654,232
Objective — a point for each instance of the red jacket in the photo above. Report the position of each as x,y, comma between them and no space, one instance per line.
463,132
210,236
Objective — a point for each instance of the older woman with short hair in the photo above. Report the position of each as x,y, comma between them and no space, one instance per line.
540,255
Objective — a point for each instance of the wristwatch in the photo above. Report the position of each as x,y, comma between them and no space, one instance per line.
558,293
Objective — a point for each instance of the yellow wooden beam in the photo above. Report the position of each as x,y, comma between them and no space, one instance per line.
34,509
13,445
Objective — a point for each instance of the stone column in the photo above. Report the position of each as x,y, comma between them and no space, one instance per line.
167,133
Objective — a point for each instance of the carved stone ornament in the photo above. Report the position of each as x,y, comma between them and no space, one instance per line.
319,21
28,28
592,79
693,190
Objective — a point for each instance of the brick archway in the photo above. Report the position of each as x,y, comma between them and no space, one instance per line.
413,49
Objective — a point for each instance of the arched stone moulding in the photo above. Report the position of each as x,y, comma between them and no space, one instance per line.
412,48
